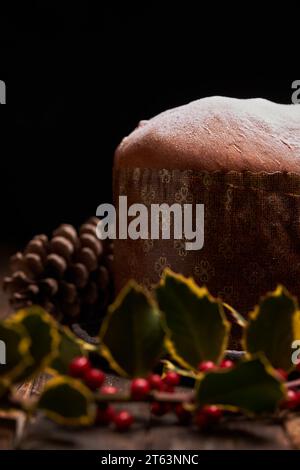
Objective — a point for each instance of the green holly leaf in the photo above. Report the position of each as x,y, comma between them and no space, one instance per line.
196,326
16,348
272,328
132,336
69,348
68,401
252,386
43,332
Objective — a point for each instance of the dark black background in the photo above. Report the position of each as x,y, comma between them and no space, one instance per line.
80,77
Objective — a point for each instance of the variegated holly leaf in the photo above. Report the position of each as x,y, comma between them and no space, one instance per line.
69,348
252,386
43,332
272,328
15,347
132,336
68,401
196,326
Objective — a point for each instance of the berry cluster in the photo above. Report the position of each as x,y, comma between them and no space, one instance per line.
81,368
204,417
166,384
140,389
144,389
209,366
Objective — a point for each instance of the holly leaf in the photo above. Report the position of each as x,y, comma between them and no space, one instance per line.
272,328
69,348
132,336
196,326
68,401
252,386
15,347
43,332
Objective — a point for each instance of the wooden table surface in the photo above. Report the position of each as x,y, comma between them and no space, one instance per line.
148,433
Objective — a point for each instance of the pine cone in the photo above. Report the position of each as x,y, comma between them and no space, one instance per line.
70,275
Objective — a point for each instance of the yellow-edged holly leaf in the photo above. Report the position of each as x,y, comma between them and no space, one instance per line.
272,328
69,348
67,401
132,336
196,326
43,332
252,386
16,349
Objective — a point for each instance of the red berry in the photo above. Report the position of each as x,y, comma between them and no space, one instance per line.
184,416
79,366
209,414
105,415
213,412
139,388
226,364
94,378
292,400
108,390
172,378
206,366
201,419
155,382
123,420
159,408
282,374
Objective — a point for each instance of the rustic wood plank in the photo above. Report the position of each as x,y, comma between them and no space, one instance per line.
151,435
292,427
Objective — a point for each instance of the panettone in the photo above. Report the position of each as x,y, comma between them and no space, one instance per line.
241,159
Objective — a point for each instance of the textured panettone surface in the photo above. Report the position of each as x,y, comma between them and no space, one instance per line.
241,159
217,133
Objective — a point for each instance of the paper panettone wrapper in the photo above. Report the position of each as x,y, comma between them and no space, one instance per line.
252,231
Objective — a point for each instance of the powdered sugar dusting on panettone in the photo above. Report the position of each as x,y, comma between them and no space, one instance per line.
217,133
